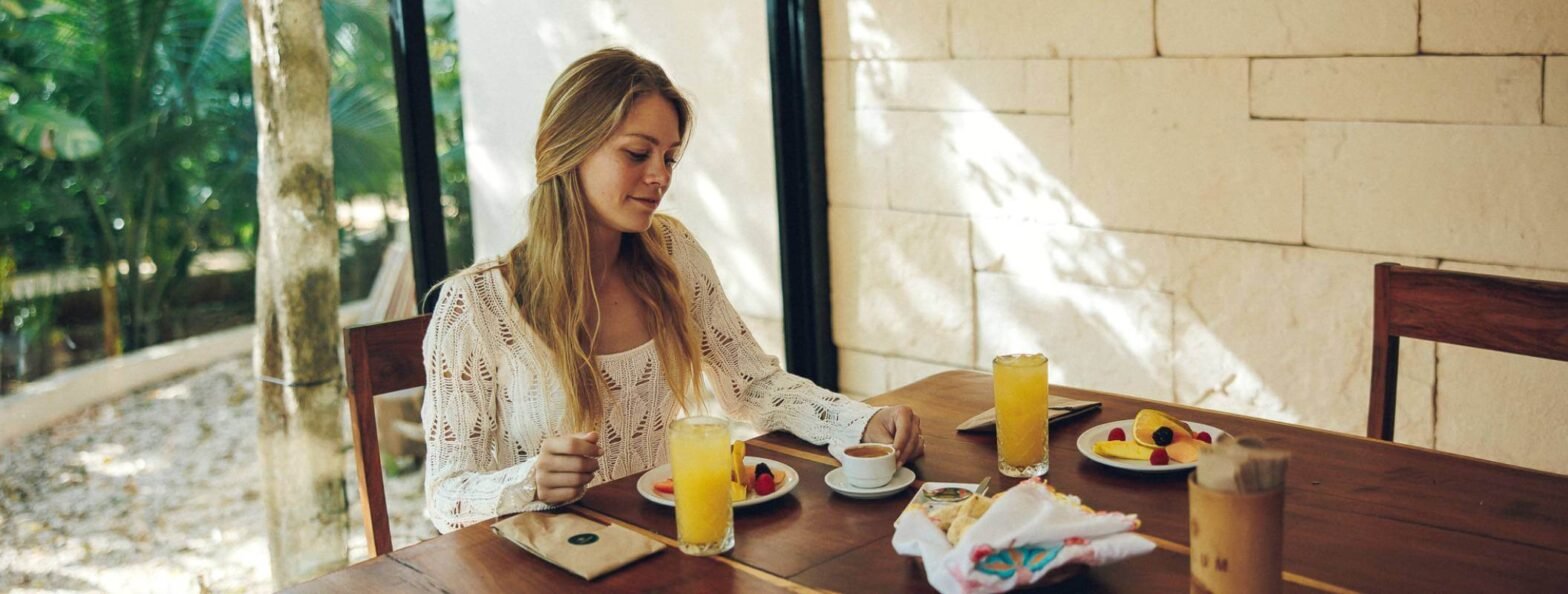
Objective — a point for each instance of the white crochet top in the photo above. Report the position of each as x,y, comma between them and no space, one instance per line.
492,397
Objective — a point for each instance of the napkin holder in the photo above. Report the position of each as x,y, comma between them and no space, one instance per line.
1236,517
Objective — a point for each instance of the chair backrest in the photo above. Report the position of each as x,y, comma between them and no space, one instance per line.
381,358
1511,315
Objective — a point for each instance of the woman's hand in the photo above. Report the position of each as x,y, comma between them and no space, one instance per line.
899,426
565,467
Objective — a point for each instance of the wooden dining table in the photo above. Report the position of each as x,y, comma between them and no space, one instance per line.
1360,515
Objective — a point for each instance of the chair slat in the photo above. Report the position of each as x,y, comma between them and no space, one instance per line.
1520,316
1510,315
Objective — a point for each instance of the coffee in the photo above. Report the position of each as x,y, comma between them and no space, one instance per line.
866,465
867,451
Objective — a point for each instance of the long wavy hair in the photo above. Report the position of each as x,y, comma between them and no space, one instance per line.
548,271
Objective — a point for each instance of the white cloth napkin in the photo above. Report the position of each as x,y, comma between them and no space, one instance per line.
1028,532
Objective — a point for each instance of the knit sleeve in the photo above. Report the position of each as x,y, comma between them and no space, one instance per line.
464,483
750,384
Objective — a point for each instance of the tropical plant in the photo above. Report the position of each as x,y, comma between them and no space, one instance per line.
130,137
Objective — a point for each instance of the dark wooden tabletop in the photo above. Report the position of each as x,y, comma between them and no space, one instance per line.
1360,515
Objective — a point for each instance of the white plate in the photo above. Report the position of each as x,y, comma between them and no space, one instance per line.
838,482
784,478
1087,439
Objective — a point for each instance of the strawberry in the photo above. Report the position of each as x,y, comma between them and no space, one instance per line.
764,484
1204,437
1159,458
1117,434
665,486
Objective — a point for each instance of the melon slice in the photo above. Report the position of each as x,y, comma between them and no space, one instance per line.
1183,450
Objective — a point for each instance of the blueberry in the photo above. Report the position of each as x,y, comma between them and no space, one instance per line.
1163,436
762,468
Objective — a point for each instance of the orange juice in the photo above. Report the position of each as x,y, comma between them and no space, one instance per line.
700,462
1022,414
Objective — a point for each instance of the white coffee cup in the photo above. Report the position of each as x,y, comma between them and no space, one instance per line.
866,465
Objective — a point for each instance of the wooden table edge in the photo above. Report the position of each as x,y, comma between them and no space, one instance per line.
755,572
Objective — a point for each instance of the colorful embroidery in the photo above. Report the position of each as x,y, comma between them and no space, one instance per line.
1028,560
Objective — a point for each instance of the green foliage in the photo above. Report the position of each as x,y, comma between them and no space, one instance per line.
129,134
52,132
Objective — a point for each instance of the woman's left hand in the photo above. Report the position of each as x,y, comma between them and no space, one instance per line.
899,426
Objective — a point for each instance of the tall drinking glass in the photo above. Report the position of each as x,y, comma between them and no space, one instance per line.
1023,428
700,462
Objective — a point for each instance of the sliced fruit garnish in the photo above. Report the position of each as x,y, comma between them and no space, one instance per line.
665,486
1125,450
1150,421
738,465
1184,451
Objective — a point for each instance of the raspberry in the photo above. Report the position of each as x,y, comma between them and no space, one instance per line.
1159,458
1118,434
764,484
1204,437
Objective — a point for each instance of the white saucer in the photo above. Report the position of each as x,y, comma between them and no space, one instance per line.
1087,439
838,482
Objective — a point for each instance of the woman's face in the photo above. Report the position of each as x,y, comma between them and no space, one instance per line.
626,176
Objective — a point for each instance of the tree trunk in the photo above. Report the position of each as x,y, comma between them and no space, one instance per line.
300,384
109,299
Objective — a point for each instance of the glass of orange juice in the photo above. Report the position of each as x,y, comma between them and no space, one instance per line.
1023,429
700,462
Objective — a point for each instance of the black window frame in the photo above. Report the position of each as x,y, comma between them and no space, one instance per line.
795,58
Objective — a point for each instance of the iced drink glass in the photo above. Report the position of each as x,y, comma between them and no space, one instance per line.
700,463
1022,414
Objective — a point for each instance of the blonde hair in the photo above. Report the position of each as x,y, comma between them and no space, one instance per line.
549,271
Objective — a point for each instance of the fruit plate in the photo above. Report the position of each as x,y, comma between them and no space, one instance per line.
785,479
1088,438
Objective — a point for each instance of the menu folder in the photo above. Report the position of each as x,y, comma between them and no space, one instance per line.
1062,408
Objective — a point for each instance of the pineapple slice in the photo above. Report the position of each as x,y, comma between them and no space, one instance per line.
740,484
1125,450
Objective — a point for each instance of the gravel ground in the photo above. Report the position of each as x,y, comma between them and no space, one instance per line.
157,492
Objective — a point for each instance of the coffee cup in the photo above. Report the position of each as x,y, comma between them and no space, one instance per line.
866,465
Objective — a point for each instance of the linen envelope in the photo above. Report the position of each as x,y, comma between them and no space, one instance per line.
576,544
1029,531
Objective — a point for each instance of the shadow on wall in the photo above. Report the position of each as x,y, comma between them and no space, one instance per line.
1039,272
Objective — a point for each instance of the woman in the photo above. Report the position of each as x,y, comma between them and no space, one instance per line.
560,364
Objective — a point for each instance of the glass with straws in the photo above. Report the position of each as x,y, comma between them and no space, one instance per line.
1023,429
700,463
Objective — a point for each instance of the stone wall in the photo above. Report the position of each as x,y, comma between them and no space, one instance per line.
1184,199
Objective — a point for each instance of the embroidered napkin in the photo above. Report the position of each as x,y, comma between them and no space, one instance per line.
576,544
1061,408
1028,532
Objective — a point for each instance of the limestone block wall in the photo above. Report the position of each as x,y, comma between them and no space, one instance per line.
1184,199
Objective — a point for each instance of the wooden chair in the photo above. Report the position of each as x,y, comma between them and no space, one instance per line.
1519,316
381,358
